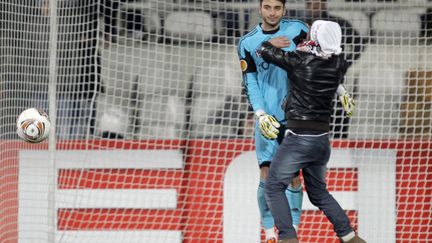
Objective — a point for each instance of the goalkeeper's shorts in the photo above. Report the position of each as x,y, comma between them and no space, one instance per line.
266,148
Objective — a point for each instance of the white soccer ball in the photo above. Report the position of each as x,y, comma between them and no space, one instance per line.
33,125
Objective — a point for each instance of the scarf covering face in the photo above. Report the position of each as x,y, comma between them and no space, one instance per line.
328,35
326,38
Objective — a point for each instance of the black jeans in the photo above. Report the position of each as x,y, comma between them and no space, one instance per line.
310,154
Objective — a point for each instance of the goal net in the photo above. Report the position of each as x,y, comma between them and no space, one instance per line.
153,137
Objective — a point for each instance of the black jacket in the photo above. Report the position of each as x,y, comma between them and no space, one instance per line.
313,83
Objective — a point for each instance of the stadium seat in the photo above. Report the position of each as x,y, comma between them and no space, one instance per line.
219,73
417,105
141,23
112,117
117,78
160,117
169,68
216,116
189,26
358,19
379,90
403,24
384,65
216,107
379,77
160,89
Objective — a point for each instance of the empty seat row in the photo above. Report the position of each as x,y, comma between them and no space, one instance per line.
172,117
160,91
202,26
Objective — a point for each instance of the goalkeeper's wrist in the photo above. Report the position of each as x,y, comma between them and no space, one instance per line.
259,113
341,91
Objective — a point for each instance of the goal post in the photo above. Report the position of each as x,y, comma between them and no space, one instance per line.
153,138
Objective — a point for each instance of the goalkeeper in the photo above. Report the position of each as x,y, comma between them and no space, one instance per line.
265,86
315,70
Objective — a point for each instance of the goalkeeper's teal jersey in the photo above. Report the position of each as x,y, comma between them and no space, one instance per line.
265,84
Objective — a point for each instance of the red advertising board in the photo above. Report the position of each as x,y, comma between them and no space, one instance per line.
199,186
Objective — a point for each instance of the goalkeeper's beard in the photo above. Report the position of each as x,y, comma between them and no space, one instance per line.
271,25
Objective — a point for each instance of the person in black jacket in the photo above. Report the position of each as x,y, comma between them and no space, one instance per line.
315,71
353,44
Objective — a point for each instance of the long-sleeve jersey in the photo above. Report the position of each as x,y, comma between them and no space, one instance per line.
266,84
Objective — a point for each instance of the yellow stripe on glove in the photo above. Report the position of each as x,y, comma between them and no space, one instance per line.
347,103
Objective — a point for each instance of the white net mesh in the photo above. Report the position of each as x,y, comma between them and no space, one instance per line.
153,137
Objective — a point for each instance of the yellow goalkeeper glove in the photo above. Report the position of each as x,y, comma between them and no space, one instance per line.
268,125
347,103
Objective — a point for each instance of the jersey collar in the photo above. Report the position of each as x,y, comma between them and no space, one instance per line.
269,32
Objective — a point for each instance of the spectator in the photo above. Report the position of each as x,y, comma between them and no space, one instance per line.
315,70
352,47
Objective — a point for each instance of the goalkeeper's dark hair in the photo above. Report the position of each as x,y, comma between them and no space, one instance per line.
282,1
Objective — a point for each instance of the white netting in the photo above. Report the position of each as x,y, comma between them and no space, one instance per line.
153,138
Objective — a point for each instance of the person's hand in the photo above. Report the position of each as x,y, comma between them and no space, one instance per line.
280,42
348,103
268,125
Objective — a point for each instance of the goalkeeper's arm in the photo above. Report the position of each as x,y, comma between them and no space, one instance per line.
346,100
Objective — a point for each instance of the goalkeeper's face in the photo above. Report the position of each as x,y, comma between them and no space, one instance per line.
271,12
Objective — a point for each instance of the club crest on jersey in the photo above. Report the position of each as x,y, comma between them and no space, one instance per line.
243,65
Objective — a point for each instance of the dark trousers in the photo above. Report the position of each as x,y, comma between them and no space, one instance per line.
310,154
